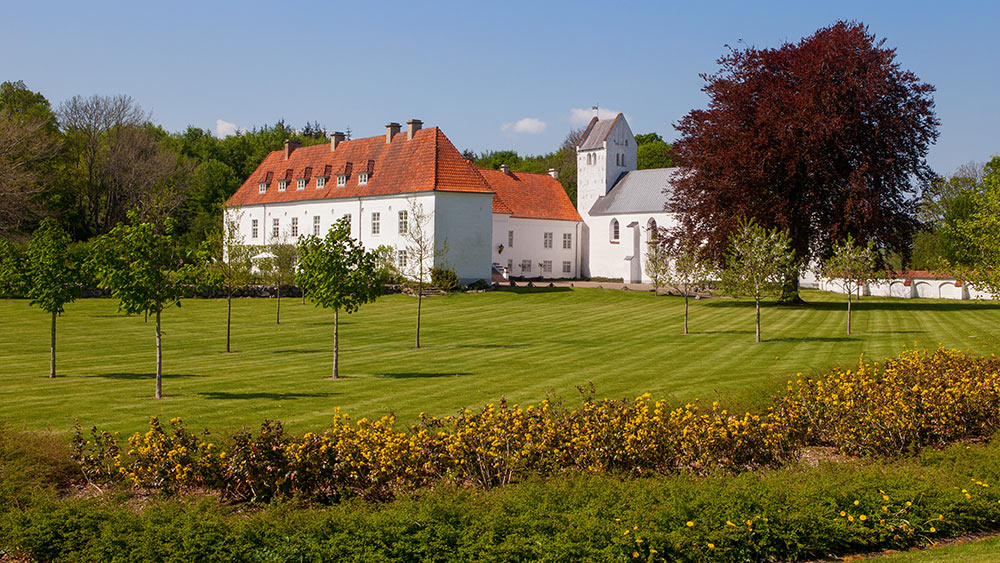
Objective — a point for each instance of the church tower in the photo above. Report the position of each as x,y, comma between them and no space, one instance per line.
605,152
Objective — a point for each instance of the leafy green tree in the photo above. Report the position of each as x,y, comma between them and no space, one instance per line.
11,269
231,263
146,272
52,276
979,236
653,151
279,267
757,262
851,266
689,269
338,273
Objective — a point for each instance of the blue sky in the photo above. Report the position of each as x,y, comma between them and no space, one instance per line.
492,75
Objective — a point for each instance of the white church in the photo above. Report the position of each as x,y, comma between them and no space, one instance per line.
493,222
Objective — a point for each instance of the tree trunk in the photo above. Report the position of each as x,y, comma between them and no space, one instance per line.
685,312
229,316
52,349
159,359
757,304
420,298
277,315
848,312
336,343
790,291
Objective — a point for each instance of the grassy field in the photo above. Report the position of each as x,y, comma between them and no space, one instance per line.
521,344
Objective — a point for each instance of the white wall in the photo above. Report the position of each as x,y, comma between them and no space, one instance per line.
465,221
529,244
607,258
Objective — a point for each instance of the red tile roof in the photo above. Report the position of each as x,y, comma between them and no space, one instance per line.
533,196
427,162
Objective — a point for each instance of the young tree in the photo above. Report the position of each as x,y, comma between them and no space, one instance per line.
421,254
688,270
51,276
232,267
823,138
279,268
851,266
146,273
657,263
337,272
757,262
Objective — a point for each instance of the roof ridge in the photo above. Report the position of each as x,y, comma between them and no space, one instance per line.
437,138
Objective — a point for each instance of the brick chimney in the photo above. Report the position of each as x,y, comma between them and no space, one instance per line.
505,169
290,146
554,172
391,129
412,126
335,139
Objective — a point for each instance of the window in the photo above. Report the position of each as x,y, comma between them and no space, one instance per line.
567,240
348,217
402,223
276,228
362,178
547,267
401,258
651,231
282,184
376,218
262,187
320,182
300,184
316,225
341,179
525,266
547,240
614,229
510,239
295,227
254,230
567,267
510,266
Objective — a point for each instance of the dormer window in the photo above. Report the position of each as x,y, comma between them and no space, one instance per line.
320,182
300,184
362,178
341,179
282,185
262,187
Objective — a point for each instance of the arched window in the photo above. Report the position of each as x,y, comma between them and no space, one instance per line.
614,229
651,231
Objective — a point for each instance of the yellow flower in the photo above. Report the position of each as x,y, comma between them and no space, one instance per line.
932,529
690,524
862,518
908,503
842,513
711,546
856,502
885,497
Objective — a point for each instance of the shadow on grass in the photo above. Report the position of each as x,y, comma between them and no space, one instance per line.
537,289
489,346
272,396
419,375
296,351
812,339
867,304
143,375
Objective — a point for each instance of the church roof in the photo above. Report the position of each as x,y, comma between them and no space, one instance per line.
529,195
638,191
427,162
597,132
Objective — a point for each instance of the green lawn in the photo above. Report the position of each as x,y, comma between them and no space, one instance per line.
477,348
982,551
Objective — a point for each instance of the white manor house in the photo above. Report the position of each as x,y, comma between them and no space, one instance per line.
515,223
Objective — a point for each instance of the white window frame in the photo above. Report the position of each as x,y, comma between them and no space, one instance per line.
262,187
254,229
376,223
546,240
546,267
316,225
341,179
300,184
275,228
348,215
615,230
567,267
295,227
362,178
282,185
525,266
401,258
567,240
510,266
320,182
403,222
510,239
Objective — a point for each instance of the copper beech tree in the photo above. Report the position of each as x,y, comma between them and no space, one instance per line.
823,138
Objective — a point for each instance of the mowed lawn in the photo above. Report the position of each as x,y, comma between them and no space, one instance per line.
520,344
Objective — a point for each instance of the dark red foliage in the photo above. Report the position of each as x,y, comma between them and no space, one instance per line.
826,137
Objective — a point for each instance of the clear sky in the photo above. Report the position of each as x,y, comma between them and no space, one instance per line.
492,75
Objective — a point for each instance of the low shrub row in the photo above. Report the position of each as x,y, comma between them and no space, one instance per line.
789,514
889,408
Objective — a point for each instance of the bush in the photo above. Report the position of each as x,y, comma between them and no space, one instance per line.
444,278
478,285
